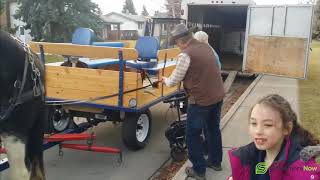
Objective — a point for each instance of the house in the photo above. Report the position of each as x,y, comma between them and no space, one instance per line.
111,29
127,22
8,22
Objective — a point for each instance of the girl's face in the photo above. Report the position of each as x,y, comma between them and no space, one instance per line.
266,127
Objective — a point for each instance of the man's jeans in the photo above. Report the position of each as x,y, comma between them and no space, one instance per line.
207,119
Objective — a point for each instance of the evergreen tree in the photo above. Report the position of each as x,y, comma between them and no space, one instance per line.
144,11
2,4
56,20
129,6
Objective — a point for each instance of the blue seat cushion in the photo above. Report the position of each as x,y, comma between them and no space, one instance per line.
155,70
100,63
161,65
109,44
141,64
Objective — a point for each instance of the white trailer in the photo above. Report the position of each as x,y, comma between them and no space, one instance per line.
255,39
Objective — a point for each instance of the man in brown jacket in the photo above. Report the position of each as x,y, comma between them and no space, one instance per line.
203,84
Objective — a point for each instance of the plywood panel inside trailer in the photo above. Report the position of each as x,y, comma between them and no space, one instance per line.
276,55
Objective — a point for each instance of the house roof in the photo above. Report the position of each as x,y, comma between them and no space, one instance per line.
161,15
135,18
109,20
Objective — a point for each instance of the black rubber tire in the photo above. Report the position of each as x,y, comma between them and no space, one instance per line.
178,154
129,127
49,122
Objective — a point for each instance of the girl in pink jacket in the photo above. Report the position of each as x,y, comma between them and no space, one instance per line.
281,148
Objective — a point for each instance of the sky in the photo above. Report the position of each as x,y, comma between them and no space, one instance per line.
108,6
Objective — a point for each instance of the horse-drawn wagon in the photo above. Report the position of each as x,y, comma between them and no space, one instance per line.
114,86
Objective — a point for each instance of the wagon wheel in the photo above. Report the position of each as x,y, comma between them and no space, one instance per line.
136,129
178,154
59,119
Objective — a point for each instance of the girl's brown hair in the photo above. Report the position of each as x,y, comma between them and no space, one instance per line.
287,114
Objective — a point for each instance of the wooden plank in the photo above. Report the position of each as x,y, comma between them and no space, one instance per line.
149,95
171,53
228,82
167,71
94,52
80,83
283,56
72,94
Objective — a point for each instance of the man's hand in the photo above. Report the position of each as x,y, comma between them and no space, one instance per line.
230,178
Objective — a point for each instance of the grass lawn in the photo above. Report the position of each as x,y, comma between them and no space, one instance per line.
53,58
309,93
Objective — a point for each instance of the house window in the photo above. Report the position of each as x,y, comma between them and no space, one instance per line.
114,27
140,25
165,27
21,29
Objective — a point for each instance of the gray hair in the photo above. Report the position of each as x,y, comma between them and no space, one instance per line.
201,36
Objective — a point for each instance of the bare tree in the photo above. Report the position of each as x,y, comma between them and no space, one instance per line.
174,8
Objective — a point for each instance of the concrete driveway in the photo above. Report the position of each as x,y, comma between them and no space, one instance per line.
139,165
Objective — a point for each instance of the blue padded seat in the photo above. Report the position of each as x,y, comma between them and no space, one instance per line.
82,36
155,69
100,63
161,65
147,48
141,64
109,44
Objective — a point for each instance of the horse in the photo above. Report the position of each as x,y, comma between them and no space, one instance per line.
22,108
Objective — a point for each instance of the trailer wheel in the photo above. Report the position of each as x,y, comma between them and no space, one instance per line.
178,154
136,130
60,119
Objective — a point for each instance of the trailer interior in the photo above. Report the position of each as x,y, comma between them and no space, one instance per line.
226,27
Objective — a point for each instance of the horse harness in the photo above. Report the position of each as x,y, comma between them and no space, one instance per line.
21,95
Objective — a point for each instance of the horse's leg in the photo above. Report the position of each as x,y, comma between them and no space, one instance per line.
34,151
16,150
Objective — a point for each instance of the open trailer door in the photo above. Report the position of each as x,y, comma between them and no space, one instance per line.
278,40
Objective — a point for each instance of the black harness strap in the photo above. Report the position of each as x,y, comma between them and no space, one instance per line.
20,95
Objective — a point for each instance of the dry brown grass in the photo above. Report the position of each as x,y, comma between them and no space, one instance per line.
309,93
